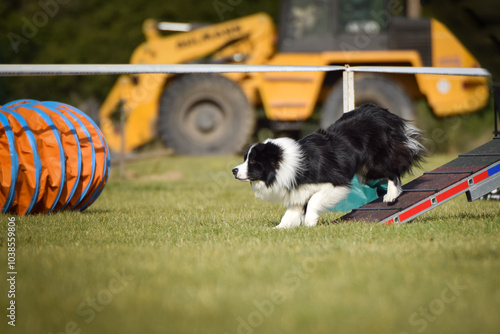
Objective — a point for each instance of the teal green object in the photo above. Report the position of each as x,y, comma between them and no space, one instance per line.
361,194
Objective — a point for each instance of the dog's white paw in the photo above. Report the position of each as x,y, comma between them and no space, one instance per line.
288,223
389,198
393,192
311,222
282,227
293,217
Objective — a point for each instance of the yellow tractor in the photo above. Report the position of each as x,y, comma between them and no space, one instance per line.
211,113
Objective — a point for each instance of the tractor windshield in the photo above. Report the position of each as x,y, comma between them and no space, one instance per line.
325,17
319,25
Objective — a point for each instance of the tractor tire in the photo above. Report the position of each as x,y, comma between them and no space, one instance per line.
205,114
376,89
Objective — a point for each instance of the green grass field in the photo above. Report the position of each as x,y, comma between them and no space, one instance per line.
181,247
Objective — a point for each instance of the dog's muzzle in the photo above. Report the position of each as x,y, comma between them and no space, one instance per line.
240,174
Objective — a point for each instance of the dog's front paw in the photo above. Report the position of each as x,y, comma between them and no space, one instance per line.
310,222
288,223
282,227
293,217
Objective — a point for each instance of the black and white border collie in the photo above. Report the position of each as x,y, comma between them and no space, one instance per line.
312,174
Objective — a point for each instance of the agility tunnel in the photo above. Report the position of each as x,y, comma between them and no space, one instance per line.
53,157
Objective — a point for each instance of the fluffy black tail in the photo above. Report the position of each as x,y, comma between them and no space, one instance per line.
414,144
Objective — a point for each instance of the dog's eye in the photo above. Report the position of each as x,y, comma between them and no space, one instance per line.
251,162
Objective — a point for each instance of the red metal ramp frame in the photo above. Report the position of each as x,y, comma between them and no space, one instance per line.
475,173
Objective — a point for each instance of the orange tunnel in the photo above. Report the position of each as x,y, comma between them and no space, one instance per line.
53,157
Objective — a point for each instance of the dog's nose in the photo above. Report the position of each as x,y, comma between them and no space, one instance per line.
235,171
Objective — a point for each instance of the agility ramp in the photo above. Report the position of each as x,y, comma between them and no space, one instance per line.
475,173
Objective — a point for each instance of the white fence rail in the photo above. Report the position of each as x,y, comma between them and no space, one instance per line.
105,69
348,75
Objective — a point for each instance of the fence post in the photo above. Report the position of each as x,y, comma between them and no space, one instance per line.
348,89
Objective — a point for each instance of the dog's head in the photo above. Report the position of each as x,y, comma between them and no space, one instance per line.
262,162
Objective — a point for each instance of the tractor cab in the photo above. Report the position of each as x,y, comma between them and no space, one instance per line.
347,25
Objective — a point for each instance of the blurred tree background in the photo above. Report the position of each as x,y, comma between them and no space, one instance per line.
92,31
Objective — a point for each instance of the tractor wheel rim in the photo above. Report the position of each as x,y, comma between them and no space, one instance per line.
205,121
207,116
